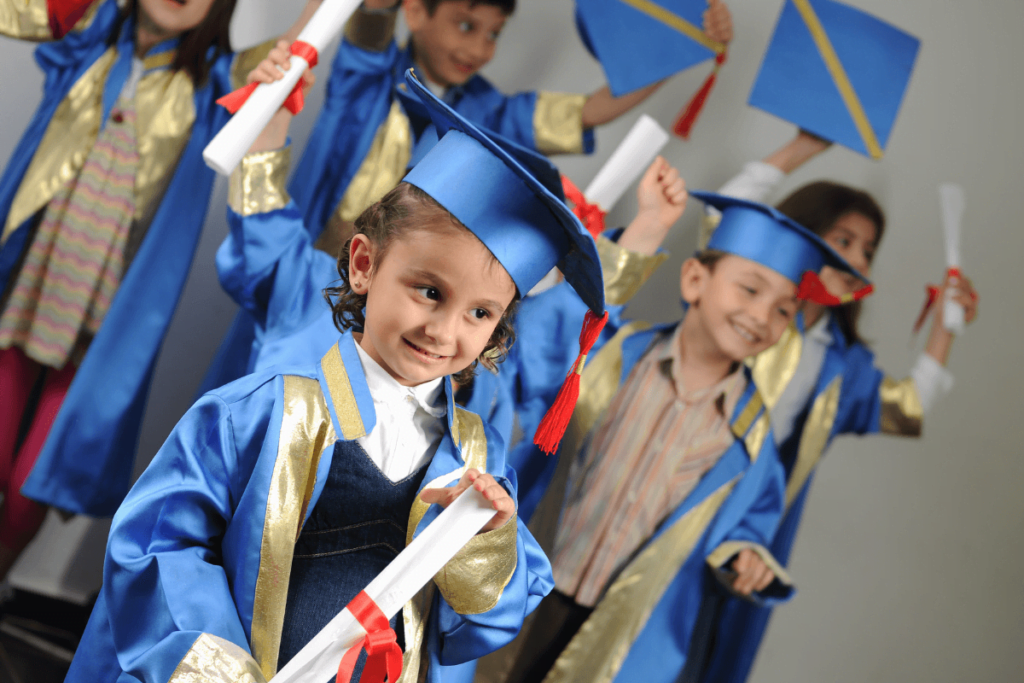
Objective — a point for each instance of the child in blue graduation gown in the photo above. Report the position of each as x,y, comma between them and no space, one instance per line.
820,380
102,202
370,131
671,434
278,497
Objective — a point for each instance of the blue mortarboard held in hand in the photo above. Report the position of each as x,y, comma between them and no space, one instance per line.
640,42
836,72
515,208
762,234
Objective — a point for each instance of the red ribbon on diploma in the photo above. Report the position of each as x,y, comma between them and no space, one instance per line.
932,294
813,289
233,101
591,215
383,656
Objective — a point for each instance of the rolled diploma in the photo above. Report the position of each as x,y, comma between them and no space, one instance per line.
226,150
951,196
396,585
627,163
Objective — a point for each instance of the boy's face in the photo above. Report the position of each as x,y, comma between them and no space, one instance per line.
742,306
432,302
456,41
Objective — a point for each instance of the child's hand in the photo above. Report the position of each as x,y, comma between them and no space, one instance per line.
485,484
718,21
272,69
662,199
752,574
963,293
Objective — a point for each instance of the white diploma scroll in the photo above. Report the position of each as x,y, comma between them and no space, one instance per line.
951,197
627,163
399,582
226,150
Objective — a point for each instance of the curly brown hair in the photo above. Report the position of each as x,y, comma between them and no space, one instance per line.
402,209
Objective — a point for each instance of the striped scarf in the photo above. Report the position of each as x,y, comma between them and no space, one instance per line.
75,262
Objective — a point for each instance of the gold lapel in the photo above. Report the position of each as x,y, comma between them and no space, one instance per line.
773,368
600,647
306,430
814,438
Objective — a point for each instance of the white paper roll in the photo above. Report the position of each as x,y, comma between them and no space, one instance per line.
396,585
226,150
953,201
627,163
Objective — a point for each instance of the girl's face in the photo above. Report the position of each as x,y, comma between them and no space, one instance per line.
743,307
432,302
175,16
855,238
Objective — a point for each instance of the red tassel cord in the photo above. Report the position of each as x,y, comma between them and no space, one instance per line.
556,420
813,289
591,215
64,14
233,101
383,656
688,117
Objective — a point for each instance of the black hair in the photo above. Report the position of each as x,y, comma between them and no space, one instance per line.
507,7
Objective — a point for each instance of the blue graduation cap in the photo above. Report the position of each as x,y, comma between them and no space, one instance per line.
762,234
640,42
837,72
510,198
515,208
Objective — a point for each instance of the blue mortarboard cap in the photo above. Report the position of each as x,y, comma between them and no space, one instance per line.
640,42
837,72
766,236
510,198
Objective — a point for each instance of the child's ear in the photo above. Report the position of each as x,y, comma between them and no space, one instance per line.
360,263
416,14
692,277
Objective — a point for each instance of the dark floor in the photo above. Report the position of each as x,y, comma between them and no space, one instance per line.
38,637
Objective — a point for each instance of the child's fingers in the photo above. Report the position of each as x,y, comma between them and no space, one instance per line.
764,579
677,194
442,497
653,171
669,176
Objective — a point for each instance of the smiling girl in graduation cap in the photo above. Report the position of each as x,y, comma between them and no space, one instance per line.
280,496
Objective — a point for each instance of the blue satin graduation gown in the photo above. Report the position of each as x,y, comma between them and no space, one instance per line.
86,464
548,328
199,551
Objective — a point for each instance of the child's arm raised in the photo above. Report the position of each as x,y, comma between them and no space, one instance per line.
661,198
603,107
940,340
272,69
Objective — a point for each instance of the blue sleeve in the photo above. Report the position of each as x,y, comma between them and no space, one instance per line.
269,266
465,637
164,582
860,401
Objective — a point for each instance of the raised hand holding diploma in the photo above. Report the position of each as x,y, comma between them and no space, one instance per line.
414,567
951,197
627,163
226,150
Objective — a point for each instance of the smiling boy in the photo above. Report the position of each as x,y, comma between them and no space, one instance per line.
669,467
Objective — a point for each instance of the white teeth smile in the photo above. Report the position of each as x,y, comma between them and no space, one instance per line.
750,338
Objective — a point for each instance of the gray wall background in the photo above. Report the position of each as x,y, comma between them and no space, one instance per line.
910,559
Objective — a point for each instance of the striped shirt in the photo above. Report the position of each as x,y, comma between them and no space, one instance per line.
652,447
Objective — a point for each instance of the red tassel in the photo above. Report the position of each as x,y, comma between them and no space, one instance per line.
591,215
556,420
295,101
688,117
813,289
64,14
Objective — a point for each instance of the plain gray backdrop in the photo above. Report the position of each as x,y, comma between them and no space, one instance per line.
910,560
